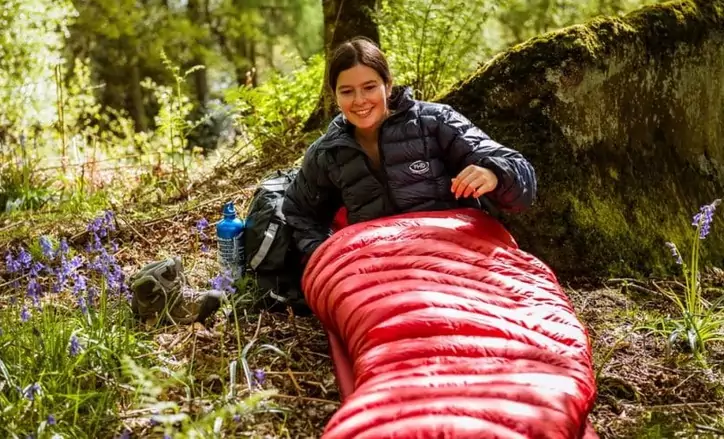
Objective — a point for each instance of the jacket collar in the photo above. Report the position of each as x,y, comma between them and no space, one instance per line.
340,129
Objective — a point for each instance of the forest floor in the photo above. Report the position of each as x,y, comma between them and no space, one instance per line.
645,390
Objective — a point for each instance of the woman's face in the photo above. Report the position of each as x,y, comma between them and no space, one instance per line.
362,96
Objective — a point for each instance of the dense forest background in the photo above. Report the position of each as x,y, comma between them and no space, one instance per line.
113,81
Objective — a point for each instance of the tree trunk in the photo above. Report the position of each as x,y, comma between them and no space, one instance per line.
138,110
343,20
201,83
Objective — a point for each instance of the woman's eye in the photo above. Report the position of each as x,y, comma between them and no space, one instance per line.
370,87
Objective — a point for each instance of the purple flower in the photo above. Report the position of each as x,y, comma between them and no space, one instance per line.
63,247
51,420
237,418
259,377
125,435
223,282
79,283
201,225
24,258
47,247
73,346
12,264
36,268
82,305
704,218
30,391
34,290
25,314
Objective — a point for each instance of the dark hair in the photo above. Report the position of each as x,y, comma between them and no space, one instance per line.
358,50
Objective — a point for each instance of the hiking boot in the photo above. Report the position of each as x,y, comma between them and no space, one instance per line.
160,293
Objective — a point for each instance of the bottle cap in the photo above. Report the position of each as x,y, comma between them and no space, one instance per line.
229,209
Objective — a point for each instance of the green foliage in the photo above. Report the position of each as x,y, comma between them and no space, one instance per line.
280,106
21,187
700,322
43,374
151,387
520,20
31,43
172,121
432,45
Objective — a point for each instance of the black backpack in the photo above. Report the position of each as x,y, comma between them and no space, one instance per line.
269,250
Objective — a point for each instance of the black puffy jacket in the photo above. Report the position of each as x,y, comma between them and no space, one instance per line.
423,146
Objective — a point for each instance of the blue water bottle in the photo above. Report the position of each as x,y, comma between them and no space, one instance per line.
230,236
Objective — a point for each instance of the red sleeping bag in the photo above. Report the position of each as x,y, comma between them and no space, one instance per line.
440,327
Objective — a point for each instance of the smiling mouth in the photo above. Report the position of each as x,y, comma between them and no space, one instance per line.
363,114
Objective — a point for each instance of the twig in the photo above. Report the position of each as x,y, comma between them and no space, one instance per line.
306,398
258,326
136,231
294,381
213,200
708,428
681,405
10,226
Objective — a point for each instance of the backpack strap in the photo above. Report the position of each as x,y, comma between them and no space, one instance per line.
269,235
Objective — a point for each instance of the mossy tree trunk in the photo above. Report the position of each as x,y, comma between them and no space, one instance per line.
623,119
343,20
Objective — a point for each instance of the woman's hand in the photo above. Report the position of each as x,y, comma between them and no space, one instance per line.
474,180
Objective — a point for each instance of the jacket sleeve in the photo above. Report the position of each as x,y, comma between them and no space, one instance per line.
310,203
465,144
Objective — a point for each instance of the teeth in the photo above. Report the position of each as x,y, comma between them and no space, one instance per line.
363,113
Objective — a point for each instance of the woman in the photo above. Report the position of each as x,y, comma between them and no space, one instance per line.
387,153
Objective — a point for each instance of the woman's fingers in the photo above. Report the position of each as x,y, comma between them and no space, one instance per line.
474,180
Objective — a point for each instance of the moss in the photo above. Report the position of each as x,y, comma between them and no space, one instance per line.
623,120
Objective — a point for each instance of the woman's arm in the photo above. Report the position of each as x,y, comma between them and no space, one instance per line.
310,203
465,144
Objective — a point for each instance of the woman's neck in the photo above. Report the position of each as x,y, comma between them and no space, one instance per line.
369,135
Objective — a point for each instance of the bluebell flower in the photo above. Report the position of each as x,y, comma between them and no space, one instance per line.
47,247
25,314
223,282
704,218
74,346
36,268
202,224
82,305
12,265
259,377
24,258
63,248
126,434
79,284
51,420
31,391
34,290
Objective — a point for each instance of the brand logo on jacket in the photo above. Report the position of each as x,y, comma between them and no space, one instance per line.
420,167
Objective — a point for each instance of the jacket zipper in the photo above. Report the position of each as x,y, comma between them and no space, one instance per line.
385,177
